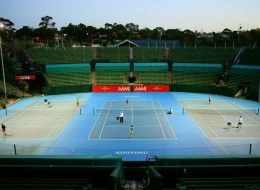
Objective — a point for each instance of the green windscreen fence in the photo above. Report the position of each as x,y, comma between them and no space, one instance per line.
51,90
112,67
197,67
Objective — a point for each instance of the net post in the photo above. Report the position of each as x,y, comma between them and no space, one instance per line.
80,111
250,148
257,111
182,110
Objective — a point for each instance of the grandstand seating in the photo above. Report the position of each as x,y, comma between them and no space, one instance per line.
250,56
188,54
69,74
110,77
192,65
218,183
60,172
70,78
201,54
112,73
251,81
14,91
152,78
151,73
60,55
195,78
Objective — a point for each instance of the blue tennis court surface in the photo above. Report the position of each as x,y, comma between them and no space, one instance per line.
93,128
147,117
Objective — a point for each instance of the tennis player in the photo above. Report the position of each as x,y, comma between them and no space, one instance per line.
45,101
3,129
77,102
240,121
209,99
126,101
131,131
121,117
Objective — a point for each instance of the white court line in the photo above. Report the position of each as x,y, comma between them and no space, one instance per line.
15,115
159,120
105,120
202,121
248,114
59,123
169,123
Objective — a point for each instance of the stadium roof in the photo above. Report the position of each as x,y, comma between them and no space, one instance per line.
150,43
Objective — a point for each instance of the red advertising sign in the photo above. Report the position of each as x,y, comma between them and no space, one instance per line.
127,88
111,88
25,77
151,88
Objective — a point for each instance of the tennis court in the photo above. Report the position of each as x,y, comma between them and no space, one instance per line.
147,116
212,119
40,121
194,128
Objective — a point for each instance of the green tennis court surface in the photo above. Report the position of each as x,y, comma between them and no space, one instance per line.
212,119
40,121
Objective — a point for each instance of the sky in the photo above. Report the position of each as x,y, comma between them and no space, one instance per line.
194,15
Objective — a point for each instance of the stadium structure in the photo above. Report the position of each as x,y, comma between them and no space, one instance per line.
132,67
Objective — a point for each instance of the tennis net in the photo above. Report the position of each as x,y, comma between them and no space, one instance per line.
43,112
221,111
116,112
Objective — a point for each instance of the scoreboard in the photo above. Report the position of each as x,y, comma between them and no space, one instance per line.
25,73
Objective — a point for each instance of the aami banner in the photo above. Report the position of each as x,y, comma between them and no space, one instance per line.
151,88
25,77
127,88
111,88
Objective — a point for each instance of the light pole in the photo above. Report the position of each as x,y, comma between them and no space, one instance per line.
3,68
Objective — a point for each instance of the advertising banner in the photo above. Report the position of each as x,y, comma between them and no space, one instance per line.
111,88
127,88
151,88
25,77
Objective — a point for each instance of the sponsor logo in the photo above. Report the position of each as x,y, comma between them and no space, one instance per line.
25,77
131,152
140,88
123,89
156,88
104,88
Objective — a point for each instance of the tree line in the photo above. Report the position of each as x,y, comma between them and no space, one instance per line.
111,34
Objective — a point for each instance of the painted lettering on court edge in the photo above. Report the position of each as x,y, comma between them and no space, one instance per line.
132,152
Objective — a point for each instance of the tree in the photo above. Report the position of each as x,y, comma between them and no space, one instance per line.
23,85
189,37
161,32
46,22
145,34
132,30
8,31
173,34
47,29
24,32
7,23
